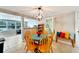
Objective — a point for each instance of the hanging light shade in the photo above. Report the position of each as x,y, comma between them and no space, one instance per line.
40,16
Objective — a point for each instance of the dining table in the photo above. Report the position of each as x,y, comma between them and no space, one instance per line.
37,39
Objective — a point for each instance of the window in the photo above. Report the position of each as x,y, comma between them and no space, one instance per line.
18,25
2,25
31,23
49,25
11,25
25,24
9,21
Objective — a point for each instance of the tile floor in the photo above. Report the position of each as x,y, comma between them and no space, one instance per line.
18,46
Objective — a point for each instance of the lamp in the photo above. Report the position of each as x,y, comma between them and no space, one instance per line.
40,16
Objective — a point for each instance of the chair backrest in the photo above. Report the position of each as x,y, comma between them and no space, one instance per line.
33,31
51,35
67,35
29,42
45,45
45,32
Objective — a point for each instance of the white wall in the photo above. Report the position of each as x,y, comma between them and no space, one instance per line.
77,21
65,22
77,28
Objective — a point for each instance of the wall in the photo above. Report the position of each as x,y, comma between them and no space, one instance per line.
65,22
77,21
77,28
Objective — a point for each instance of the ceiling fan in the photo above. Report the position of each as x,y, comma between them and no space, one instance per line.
39,8
39,15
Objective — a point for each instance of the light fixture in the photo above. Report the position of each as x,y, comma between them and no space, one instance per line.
40,15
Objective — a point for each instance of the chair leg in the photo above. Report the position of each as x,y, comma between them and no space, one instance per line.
56,39
73,43
26,50
51,50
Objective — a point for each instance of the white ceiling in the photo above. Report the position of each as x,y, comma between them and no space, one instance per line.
48,11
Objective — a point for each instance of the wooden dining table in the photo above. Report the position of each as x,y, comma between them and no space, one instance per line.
37,39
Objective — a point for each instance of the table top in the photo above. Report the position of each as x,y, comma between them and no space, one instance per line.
36,37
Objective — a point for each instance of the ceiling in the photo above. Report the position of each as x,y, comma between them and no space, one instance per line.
32,11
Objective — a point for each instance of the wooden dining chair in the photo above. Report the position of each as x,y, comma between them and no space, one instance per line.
46,45
33,31
29,44
51,36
